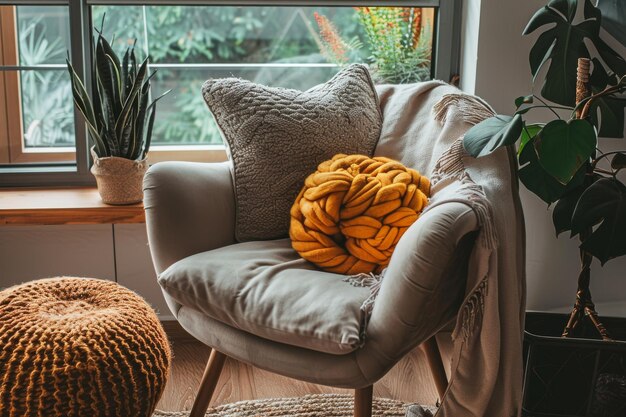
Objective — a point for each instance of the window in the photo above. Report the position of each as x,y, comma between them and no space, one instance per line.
292,45
39,124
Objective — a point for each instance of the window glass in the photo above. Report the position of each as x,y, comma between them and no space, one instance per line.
47,109
44,34
36,86
292,47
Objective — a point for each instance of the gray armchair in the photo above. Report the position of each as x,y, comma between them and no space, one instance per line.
259,303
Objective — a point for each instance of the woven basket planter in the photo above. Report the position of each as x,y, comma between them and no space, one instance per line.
77,347
119,180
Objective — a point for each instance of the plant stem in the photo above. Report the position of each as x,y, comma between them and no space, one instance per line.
584,305
583,284
605,154
604,171
578,109
597,159
550,107
607,91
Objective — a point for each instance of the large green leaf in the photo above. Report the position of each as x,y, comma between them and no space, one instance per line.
84,106
609,110
562,44
95,94
115,61
528,132
103,71
564,208
603,204
619,161
132,70
612,116
541,51
152,111
124,115
615,61
105,95
124,74
539,181
563,147
139,121
126,136
108,73
492,133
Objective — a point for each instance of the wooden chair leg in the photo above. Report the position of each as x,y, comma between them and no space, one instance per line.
207,385
363,401
433,355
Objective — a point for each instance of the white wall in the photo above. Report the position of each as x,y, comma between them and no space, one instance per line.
501,73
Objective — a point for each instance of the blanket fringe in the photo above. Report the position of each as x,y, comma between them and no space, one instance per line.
364,280
478,200
472,311
471,109
451,165
373,281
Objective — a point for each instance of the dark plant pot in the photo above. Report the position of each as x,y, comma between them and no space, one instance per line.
581,376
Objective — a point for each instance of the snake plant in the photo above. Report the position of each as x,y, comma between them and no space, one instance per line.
119,114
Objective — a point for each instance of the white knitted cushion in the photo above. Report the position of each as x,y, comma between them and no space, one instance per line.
276,137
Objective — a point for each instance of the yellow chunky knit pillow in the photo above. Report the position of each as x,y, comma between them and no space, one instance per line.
353,210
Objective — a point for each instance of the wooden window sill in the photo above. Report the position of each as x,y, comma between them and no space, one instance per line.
25,206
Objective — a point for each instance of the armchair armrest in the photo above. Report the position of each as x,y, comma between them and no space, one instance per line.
190,208
424,284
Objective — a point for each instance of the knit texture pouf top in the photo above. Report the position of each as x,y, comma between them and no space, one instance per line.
76,347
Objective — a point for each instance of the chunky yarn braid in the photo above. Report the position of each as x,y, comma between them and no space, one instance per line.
76,347
353,210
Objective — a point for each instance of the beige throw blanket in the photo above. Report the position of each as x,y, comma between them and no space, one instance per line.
487,357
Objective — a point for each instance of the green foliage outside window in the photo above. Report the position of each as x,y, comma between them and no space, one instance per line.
179,39
399,43
200,35
48,119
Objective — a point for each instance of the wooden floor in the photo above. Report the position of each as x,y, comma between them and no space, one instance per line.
409,380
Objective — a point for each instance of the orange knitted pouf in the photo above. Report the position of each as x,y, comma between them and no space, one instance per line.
353,210
78,347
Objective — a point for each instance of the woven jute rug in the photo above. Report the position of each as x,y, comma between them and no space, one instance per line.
318,405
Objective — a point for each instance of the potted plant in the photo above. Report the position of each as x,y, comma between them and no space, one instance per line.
561,163
119,118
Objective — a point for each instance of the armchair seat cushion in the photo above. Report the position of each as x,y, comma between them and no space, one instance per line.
266,289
